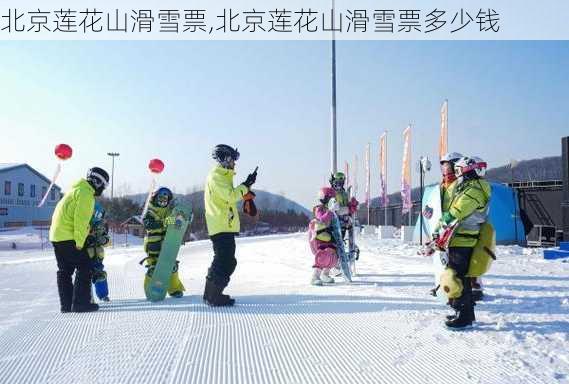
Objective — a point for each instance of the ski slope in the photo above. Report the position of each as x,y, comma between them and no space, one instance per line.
383,328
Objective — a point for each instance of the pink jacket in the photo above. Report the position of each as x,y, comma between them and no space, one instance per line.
323,214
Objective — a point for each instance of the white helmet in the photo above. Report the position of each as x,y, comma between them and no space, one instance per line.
465,166
481,166
450,157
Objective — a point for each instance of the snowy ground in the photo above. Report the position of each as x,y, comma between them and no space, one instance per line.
384,328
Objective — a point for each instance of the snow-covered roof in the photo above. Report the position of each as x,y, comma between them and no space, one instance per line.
9,166
137,219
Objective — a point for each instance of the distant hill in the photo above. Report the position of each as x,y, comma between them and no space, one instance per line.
547,168
266,201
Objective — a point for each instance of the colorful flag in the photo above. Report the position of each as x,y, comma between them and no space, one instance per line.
355,182
406,172
383,196
347,173
443,140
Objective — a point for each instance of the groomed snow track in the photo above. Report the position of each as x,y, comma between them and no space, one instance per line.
384,328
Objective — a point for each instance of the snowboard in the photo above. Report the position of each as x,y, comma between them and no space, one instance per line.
345,260
432,213
353,249
181,217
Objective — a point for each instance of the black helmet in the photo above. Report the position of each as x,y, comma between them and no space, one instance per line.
98,178
223,154
162,197
337,180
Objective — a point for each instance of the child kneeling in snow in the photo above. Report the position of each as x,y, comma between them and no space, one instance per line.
320,238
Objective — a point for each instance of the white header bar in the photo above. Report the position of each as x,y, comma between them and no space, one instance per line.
284,20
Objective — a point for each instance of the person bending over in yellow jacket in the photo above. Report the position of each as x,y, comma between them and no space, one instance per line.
160,207
70,226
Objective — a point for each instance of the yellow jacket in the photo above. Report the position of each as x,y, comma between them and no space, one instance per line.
221,199
72,215
447,195
470,205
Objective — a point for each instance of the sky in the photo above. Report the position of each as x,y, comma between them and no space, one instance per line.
176,100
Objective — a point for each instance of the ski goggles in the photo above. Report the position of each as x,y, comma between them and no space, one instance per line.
162,200
233,156
98,181
339,183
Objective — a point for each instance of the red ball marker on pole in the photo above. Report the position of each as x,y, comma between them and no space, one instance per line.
63,152
156,167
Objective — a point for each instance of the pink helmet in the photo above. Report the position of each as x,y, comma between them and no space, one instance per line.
326,193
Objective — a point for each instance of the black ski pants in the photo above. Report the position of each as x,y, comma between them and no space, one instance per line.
71,260
224,261
459,260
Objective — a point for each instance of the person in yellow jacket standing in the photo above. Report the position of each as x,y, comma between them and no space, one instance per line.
469,210
446,188
222,219
155,223
70,225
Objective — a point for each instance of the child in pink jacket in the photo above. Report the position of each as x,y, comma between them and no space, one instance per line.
320,237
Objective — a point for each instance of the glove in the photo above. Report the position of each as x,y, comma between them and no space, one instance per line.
333,205
353,205
443,240
249,206
169,221
251,179
90,242
150,223
447,218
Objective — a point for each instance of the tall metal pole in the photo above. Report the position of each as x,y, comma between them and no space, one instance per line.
113,155
515,208
334,136
385,182
411,177
565,202
368,180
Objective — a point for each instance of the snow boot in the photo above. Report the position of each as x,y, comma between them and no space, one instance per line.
325,276
336,271
89,307
453,316
464,319
214,297
316,277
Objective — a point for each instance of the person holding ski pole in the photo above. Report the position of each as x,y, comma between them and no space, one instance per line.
222,219
69,229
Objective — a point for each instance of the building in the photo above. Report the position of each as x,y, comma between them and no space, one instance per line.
134,226
21,190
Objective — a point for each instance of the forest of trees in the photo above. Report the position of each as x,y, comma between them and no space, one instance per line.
118,210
